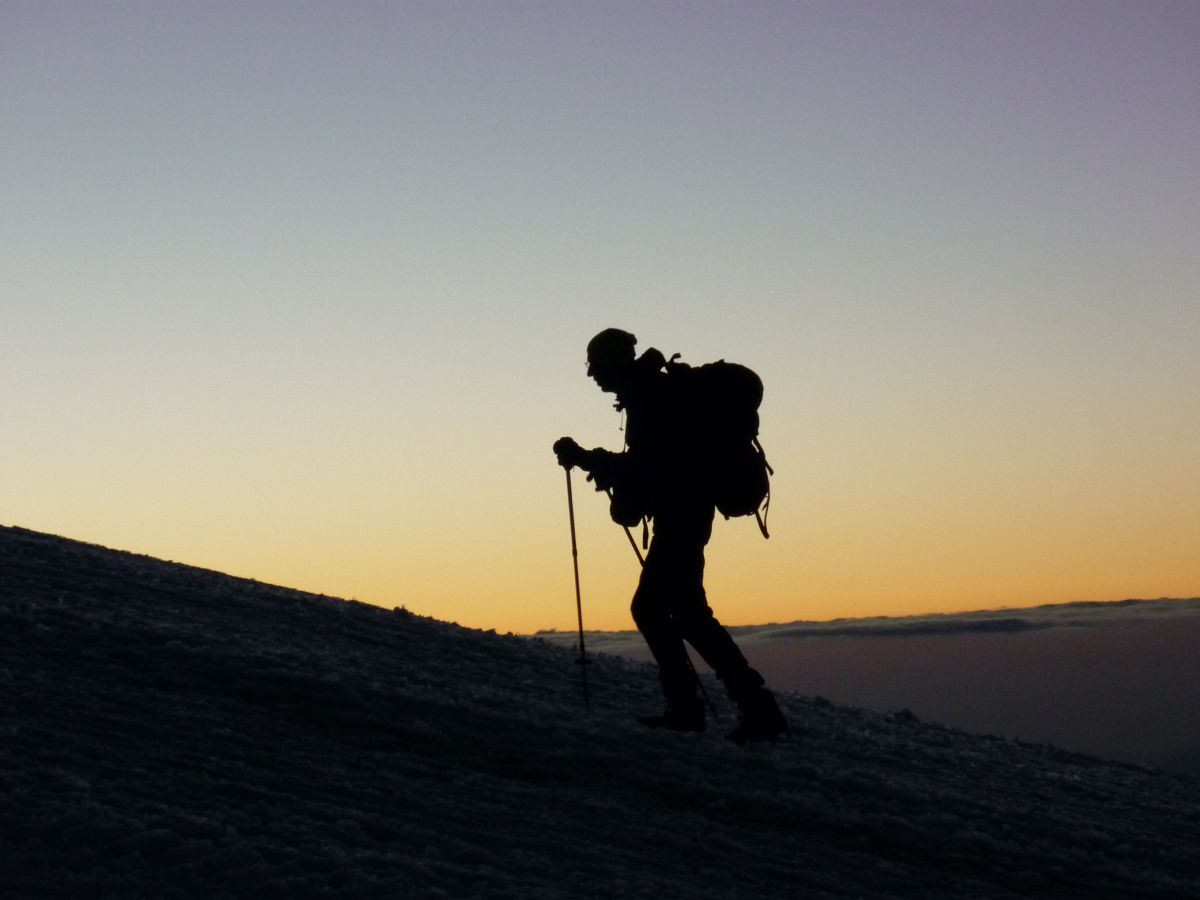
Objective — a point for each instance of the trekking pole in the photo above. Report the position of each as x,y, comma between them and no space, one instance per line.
712,707
582,662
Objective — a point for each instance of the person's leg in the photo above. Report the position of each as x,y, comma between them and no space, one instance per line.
681,608
759,715
651,609
699,627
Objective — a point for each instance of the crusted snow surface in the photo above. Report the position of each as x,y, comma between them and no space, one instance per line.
167,731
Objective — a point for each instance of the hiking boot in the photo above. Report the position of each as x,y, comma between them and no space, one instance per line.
687,716
759,719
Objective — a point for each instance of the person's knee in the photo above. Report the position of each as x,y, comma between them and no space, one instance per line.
645,611
637,611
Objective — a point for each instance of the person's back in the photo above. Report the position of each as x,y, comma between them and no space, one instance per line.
660,443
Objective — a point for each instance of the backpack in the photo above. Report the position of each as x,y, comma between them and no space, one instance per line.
721,400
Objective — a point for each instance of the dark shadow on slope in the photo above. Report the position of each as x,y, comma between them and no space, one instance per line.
173,732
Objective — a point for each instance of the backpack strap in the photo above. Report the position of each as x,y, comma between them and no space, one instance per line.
761,519
763,454
766,507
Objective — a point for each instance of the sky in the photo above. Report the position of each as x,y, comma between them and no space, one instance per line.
301,291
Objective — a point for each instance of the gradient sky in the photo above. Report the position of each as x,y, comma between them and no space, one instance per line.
300,291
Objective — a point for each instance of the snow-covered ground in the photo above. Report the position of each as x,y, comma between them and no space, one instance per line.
167,731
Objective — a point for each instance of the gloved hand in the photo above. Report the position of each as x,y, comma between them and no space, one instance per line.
569,453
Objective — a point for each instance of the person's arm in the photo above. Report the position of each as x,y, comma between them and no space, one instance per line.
603,466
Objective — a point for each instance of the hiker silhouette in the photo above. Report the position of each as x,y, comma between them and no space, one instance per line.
659,477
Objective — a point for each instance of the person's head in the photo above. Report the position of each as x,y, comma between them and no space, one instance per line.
610,357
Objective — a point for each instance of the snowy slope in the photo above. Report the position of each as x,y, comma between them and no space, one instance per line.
167,731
